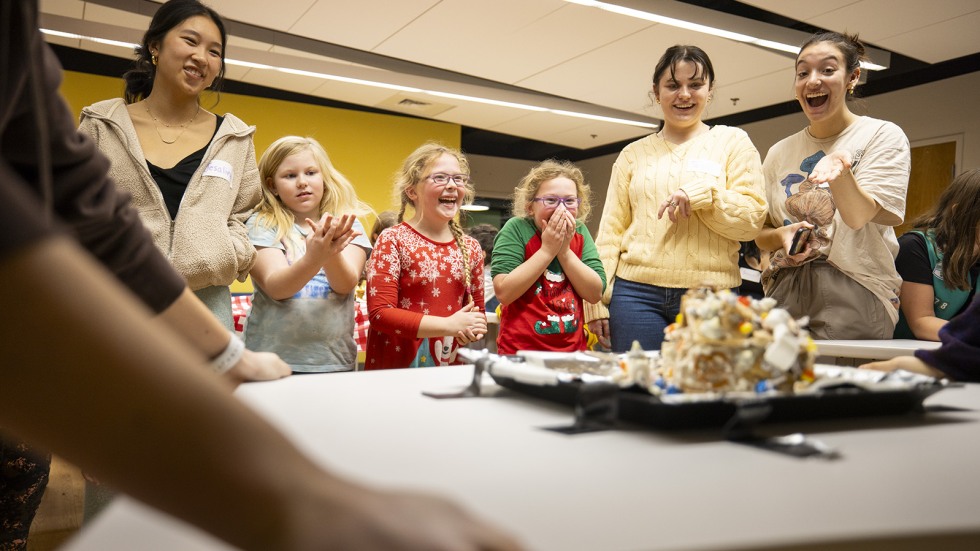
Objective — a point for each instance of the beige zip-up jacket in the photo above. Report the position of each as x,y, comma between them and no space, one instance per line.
207,243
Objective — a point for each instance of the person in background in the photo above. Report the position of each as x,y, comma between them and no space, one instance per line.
192,173
707,180
311,253
955,359
546,263
485,234
89,373
844,178
939,261
425,277
385,220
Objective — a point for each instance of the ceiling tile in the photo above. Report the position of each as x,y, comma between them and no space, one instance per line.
938,42
362,24
67,8
271,15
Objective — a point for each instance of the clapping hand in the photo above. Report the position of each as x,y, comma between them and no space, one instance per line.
329,236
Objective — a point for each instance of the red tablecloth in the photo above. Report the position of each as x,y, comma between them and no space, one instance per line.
241,304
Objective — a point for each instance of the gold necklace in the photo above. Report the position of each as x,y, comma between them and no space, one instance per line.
157,123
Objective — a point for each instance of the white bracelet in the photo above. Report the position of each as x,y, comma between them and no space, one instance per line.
230,356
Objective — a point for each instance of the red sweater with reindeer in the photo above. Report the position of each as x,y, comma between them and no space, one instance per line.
410,276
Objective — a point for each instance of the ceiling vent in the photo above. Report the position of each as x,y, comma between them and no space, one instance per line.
404,102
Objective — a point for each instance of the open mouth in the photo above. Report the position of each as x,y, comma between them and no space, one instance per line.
816,100
447,200
686,107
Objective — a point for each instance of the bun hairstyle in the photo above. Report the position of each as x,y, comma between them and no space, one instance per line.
851,48
139,79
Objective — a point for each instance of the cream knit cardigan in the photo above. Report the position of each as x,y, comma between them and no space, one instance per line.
207,243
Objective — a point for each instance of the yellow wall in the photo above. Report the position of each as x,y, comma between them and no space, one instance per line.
367,147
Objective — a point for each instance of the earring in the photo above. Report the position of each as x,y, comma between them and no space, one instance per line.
850,90
658,101
153,59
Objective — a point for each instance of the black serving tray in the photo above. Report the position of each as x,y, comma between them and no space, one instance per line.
845,400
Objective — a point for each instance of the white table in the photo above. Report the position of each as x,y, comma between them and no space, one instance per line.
871,349
629,489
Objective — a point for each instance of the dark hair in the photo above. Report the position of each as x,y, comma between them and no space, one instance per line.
485,234
385,220
139,79
955,219
679,53
850,47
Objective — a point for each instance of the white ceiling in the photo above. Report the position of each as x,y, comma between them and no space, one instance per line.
548,53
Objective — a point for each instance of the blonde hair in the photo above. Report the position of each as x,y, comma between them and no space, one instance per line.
527,189
338,198
411,174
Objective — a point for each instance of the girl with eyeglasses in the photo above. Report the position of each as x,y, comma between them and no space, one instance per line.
707,180
545,263
425,277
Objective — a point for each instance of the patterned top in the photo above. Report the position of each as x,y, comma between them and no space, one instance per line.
410,276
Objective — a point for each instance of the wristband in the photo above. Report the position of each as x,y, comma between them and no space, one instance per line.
230,356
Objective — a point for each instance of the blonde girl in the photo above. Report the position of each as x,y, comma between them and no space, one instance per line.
311,252
425,280
545,262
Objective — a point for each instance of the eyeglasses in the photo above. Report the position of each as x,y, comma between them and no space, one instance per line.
551,201
443,179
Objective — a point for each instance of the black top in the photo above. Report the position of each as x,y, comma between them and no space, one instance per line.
39,135
913,263
173,181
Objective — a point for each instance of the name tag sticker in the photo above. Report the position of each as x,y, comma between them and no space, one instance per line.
704,166
219,168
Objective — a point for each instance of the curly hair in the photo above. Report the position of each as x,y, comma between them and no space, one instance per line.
527,189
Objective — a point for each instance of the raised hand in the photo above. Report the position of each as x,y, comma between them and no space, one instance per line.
831,167
330,236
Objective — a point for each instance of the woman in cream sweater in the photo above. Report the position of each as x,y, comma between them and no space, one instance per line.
679,202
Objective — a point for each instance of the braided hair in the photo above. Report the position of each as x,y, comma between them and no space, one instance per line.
411,174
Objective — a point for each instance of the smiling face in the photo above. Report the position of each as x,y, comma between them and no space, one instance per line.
560,187
439,202
684,95
189,57
822,83
298,182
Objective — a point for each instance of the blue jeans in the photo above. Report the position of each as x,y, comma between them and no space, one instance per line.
639,312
